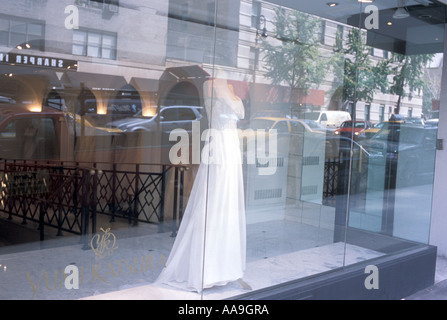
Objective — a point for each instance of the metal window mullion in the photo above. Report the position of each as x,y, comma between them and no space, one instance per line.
9,32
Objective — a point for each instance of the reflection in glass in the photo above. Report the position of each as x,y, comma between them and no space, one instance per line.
354,112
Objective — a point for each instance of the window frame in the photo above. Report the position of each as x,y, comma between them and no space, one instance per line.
11,19
85,44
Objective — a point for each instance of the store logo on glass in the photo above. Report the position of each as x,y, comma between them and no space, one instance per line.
104,244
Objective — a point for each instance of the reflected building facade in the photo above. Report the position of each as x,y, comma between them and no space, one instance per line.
96,95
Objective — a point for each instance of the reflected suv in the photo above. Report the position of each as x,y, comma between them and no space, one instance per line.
407,151
169,118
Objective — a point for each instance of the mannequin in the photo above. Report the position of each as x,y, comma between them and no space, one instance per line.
210,248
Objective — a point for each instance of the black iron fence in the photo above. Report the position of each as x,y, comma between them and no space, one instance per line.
338,175
70,196
330,185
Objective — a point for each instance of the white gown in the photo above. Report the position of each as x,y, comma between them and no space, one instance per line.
210,247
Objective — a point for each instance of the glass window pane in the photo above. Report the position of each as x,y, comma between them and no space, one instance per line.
93,51
79,50
281,127
79,36
17,39
170,114
213,149
4,38
185,114
18,26
4,24
108,41
35,29
9,131
94,38
108,53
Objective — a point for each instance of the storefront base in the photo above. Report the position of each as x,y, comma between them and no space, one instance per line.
399,276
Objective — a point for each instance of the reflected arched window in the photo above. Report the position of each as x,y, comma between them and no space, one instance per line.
184,94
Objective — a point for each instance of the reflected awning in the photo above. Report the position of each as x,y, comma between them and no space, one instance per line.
241,88
95,81
187,77
277,94
144,85
184,74
27,83
52,77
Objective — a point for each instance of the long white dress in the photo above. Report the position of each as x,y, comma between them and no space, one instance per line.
210,247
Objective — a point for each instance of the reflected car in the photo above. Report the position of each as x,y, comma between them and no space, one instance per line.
415,121
406,149
370,132
28,134
291,133
352,128
282,125
169,118
6,100
331,118
343,148
318,127
431,122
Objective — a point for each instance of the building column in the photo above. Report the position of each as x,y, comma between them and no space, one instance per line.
438,230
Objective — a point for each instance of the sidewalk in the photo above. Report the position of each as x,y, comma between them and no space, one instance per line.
436,292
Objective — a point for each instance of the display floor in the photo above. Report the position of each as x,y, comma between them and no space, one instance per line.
260,274
278,250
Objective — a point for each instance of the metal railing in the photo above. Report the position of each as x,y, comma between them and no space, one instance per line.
68,196
330,185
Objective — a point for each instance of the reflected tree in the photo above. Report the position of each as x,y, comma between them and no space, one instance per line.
432,86
357,76
293,56
408,75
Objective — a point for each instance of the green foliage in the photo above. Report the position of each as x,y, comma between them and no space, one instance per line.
408,74
354,70
294,58
361,79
